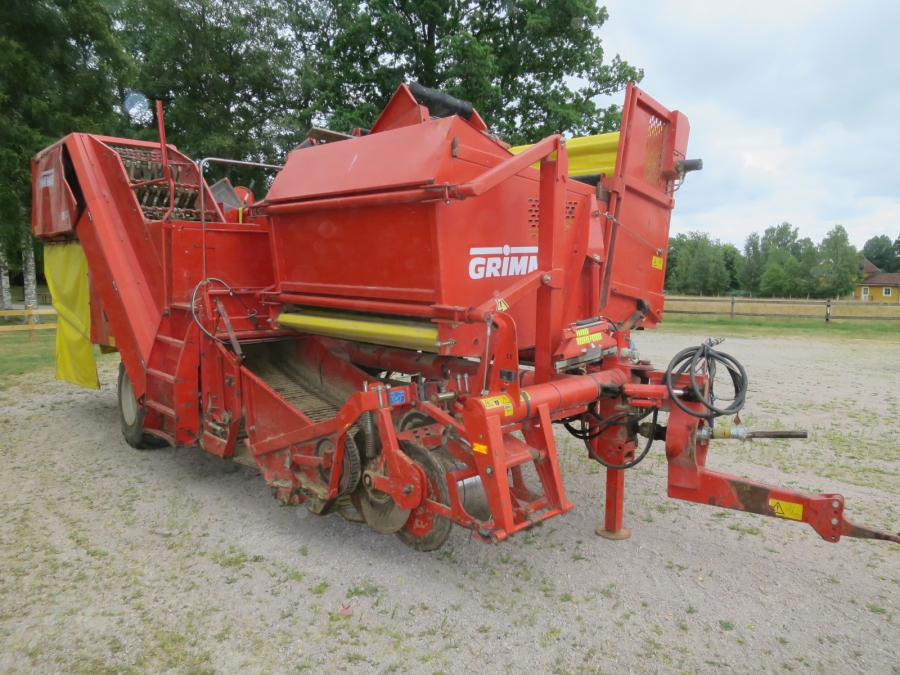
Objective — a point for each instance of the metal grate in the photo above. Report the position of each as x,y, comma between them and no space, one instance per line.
534,206
533,211
654,152
145,171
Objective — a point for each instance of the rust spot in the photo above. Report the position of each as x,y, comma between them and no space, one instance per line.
751,498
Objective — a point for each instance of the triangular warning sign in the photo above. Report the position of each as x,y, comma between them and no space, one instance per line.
778,510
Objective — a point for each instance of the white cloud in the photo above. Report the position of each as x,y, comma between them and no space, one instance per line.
793,108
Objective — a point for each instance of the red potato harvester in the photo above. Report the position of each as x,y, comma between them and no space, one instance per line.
394,330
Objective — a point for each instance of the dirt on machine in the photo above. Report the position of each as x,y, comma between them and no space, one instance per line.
393,332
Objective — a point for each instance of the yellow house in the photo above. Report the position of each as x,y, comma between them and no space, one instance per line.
878,286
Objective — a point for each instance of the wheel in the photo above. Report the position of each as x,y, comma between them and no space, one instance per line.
414,419
425,530
131,416
351,467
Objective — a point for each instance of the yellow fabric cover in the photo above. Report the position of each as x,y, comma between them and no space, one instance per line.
587,154
67,276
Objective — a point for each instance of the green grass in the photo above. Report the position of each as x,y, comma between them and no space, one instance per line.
768,327
18,292
19,356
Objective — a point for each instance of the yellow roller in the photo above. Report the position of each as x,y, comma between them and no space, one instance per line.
588,154
406,334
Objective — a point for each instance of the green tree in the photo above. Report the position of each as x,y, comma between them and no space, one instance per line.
677,244
58,61
700,266
531,68
230,77
784,236
809,260
883,253
732,257
840,263
782,276
752,265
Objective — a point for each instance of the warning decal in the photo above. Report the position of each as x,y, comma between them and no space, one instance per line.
657,262
584,336
499,401
587,339
785,509
478,447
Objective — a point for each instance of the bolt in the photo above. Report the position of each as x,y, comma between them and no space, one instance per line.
835,504
367,481
407,490
834,521
489,471
546,278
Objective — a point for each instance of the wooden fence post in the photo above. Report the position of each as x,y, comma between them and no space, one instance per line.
732,306
828,311
29,320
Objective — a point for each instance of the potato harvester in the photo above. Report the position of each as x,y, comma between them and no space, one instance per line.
393,331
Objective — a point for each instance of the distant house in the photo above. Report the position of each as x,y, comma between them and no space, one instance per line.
878,286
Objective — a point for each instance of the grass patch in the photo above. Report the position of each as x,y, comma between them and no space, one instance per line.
19,356
746,326
365,588
234,558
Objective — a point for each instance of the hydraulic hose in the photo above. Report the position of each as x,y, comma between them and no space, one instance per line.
637,460
585,434
687,361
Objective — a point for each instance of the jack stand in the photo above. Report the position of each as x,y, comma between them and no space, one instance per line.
612,527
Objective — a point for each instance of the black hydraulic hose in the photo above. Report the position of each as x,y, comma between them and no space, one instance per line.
633,463
688,361
619,420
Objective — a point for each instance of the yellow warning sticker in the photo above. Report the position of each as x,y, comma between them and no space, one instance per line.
478,447
657,262
785,509
501,304
499,401
587,339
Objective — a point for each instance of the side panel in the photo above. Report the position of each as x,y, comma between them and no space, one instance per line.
121,274
54,210
651,141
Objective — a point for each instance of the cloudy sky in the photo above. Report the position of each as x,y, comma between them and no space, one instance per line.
794,108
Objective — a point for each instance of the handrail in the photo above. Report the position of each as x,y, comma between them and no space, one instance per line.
510,167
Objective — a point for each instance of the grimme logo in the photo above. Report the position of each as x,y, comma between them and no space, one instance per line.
502,261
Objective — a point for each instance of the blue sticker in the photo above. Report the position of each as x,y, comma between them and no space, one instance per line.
398,396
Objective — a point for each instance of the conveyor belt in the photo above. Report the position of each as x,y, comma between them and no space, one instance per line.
294,387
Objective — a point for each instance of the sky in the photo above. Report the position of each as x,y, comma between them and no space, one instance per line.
794,107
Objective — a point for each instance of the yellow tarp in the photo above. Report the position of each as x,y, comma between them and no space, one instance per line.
588,154
67,276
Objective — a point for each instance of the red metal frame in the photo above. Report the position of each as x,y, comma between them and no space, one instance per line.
427,218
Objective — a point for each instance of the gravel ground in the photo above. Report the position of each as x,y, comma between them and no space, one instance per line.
119,561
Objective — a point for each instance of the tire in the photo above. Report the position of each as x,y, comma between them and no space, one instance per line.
131,416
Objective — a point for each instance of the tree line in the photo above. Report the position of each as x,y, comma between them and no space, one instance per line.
246,79
777,263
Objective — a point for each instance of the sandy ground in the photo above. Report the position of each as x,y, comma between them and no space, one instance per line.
119,561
